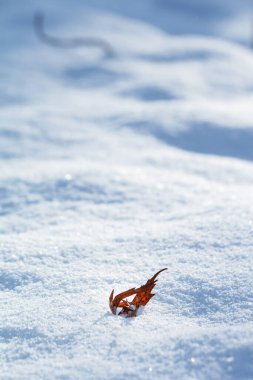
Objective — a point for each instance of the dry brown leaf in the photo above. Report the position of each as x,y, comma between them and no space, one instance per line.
142,296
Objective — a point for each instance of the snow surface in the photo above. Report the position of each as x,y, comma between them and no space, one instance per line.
115,168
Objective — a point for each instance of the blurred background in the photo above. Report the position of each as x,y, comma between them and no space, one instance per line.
97,44
229,19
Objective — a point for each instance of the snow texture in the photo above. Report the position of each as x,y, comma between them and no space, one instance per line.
113,168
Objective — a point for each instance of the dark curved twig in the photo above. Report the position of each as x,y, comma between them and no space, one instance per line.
69,43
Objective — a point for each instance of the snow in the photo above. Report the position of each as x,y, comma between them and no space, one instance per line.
112,169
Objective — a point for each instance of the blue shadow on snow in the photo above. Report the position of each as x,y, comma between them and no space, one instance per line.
204,138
